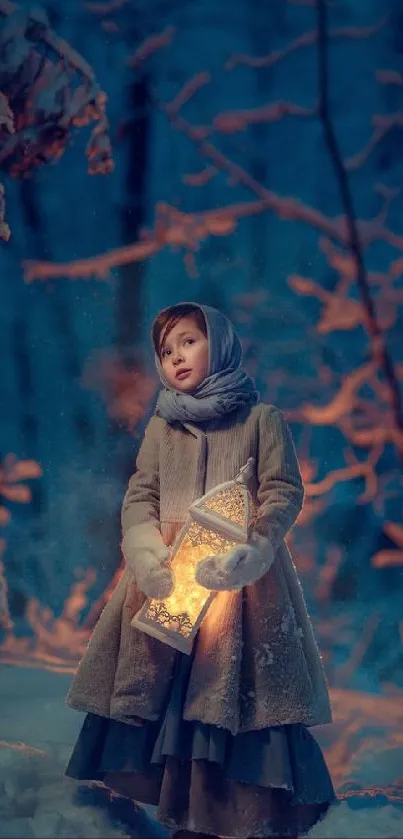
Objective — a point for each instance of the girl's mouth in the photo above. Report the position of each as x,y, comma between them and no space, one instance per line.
183,374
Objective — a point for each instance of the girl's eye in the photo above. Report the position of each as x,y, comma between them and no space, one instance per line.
187,340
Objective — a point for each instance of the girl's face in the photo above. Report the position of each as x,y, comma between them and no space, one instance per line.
185,348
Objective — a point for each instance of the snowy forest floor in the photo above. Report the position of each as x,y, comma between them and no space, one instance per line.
363,747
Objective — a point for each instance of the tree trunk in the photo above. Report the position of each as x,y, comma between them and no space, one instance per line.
57,301
129,303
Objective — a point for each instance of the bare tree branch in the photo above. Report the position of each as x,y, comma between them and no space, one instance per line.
379,349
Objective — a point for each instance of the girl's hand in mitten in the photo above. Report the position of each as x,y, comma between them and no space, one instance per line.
152,578
145,553
242,565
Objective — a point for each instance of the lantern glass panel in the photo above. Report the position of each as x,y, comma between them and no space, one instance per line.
180,611
217,522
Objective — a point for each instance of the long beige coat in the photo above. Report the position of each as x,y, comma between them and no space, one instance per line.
256,662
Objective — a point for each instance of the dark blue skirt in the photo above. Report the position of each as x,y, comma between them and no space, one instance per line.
272,782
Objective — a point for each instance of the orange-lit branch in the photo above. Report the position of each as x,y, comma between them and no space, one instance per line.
375,430
105,8
177,229
364,469
229,122
307,39
12,472
197,227
383,123
385,558
126,392
7,128
341,312
378,345
58,45
150,45
98,266
189,89
5,617
4,228
341,403
56,643
200,178
389,77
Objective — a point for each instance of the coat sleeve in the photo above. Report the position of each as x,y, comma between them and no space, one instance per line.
280,491
141,502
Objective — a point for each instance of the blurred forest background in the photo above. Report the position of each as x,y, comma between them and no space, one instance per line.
247,157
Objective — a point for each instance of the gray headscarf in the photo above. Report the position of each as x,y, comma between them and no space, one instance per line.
226,387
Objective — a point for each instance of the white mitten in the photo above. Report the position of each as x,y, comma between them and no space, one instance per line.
145,552
239,567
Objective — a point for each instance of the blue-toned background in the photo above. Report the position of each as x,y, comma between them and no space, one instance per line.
247,156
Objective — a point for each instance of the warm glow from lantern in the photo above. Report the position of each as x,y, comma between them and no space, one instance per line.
220,521
181,610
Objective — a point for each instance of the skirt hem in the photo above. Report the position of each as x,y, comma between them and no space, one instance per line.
268,783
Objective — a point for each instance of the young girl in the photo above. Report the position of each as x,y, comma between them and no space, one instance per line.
218,740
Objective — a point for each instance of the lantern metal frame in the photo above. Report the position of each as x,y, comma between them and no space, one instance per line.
156,618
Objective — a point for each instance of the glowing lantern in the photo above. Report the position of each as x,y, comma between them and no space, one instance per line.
217,522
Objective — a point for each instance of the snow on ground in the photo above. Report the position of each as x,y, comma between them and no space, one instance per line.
364,749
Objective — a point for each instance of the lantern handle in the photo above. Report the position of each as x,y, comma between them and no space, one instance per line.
246,472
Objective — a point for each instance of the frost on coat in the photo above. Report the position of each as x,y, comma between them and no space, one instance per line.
256,662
